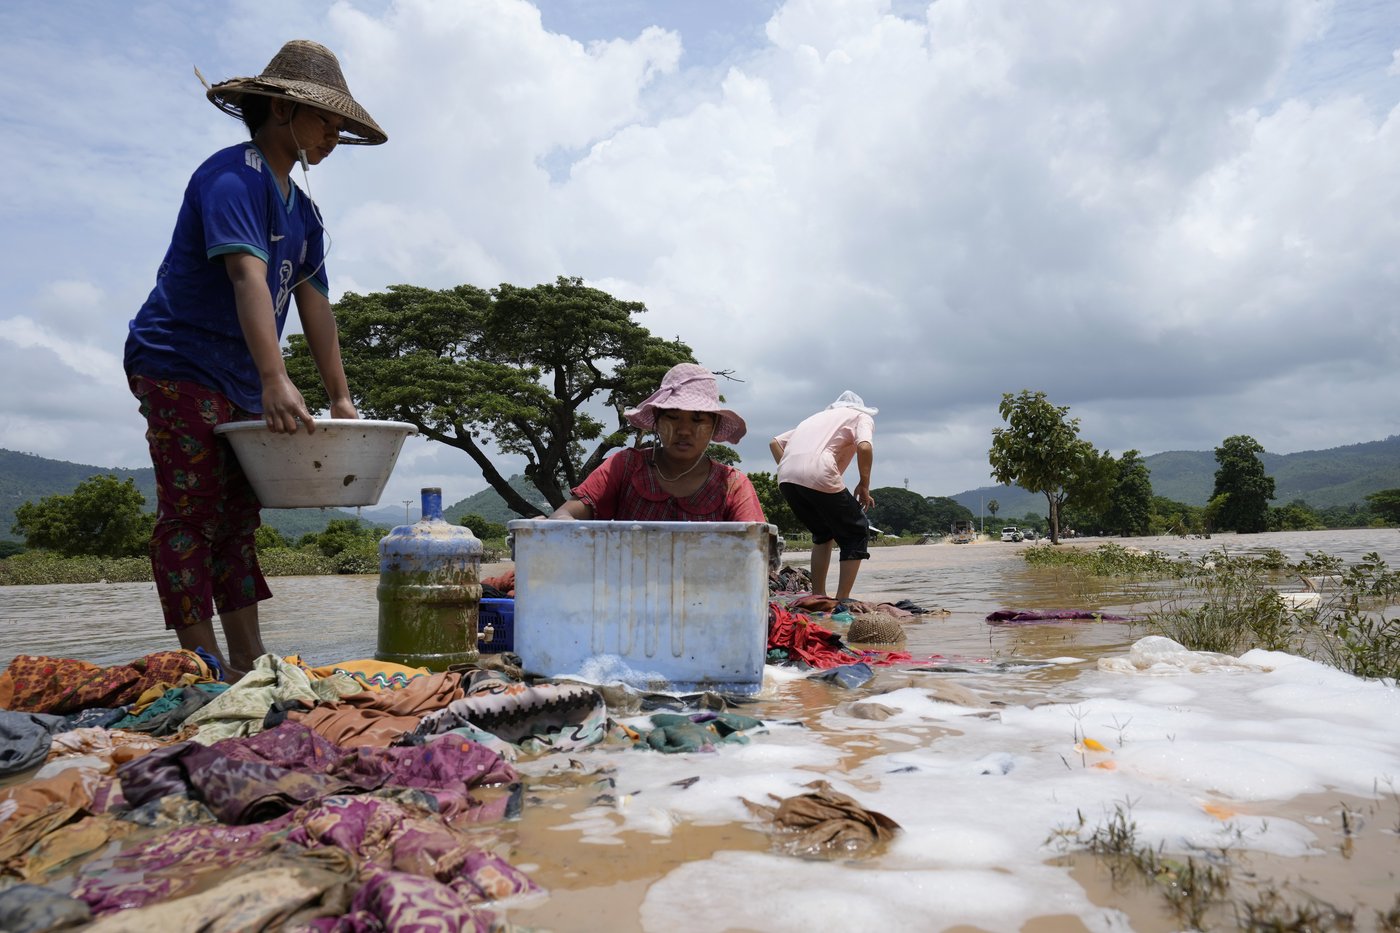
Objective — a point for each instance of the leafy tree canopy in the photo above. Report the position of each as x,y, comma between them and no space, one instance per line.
1130,503
943,512
511,368
102,517
1295,516
1170,517
1040,450
1386,504
900,511
482,528
1240,501
775,507
341,535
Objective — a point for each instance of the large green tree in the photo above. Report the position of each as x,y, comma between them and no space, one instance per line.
899,511
1386,504
520,370
1240,501
944,511
1130,503
102,517
1040,450
775,507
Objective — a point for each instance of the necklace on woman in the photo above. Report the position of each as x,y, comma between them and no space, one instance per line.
681,475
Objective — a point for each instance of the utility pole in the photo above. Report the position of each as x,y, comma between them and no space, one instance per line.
407,511
981,513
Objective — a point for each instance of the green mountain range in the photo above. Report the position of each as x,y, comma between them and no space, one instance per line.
1321,478
27,478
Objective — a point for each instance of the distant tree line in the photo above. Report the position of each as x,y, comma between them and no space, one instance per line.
1092,492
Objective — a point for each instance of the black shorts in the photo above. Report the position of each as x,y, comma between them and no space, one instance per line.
831,515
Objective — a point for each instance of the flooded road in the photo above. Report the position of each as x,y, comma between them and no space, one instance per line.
333,618
657,842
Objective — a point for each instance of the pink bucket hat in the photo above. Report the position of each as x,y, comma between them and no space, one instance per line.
688,387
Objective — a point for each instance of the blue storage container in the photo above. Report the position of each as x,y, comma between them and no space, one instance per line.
500,615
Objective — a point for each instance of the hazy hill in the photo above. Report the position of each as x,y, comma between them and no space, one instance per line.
1321,478
27,478
490,506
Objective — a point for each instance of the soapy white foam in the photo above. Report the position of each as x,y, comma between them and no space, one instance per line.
1197,754
611,669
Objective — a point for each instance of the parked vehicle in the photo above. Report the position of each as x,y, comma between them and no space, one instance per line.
1012,533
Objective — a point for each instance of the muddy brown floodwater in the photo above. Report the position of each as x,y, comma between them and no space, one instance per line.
602,887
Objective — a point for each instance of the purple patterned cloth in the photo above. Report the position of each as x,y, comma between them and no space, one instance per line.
246,780
173,864
1013,616
404,851
391,900
398,838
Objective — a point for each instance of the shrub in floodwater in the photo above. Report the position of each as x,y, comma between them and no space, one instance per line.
1319,564
360,557
1232,606
1106,560
1350,630
1230,612
295,562
36,568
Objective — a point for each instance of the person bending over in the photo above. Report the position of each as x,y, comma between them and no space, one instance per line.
812,459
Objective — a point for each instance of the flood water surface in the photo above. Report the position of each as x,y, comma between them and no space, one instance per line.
1275,770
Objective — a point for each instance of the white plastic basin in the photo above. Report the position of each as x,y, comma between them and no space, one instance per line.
346,462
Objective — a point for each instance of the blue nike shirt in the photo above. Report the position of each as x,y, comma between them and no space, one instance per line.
188,328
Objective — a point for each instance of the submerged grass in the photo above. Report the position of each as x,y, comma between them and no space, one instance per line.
1207,891
1231,603
1190,887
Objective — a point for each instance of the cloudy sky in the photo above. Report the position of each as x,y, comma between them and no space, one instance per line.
1181,219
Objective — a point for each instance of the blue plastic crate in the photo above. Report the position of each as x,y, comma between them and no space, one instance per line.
500,615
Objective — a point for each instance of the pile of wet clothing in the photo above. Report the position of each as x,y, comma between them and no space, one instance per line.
355,797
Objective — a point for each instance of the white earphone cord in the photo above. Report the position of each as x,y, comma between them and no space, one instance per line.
325,233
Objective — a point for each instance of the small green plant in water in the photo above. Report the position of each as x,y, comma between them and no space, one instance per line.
1190,886
1231,610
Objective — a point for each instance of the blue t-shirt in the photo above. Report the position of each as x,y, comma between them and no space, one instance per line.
188,328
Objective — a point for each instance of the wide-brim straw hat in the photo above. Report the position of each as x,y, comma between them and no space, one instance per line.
688,387
849,399
309,73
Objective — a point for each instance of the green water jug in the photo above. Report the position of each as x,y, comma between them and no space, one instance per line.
429,591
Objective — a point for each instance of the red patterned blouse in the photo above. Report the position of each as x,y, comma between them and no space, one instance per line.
623,488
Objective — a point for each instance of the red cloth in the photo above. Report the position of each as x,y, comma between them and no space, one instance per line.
805,640
39,684
624,489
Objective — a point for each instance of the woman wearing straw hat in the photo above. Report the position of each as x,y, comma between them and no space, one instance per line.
205,347
673,480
